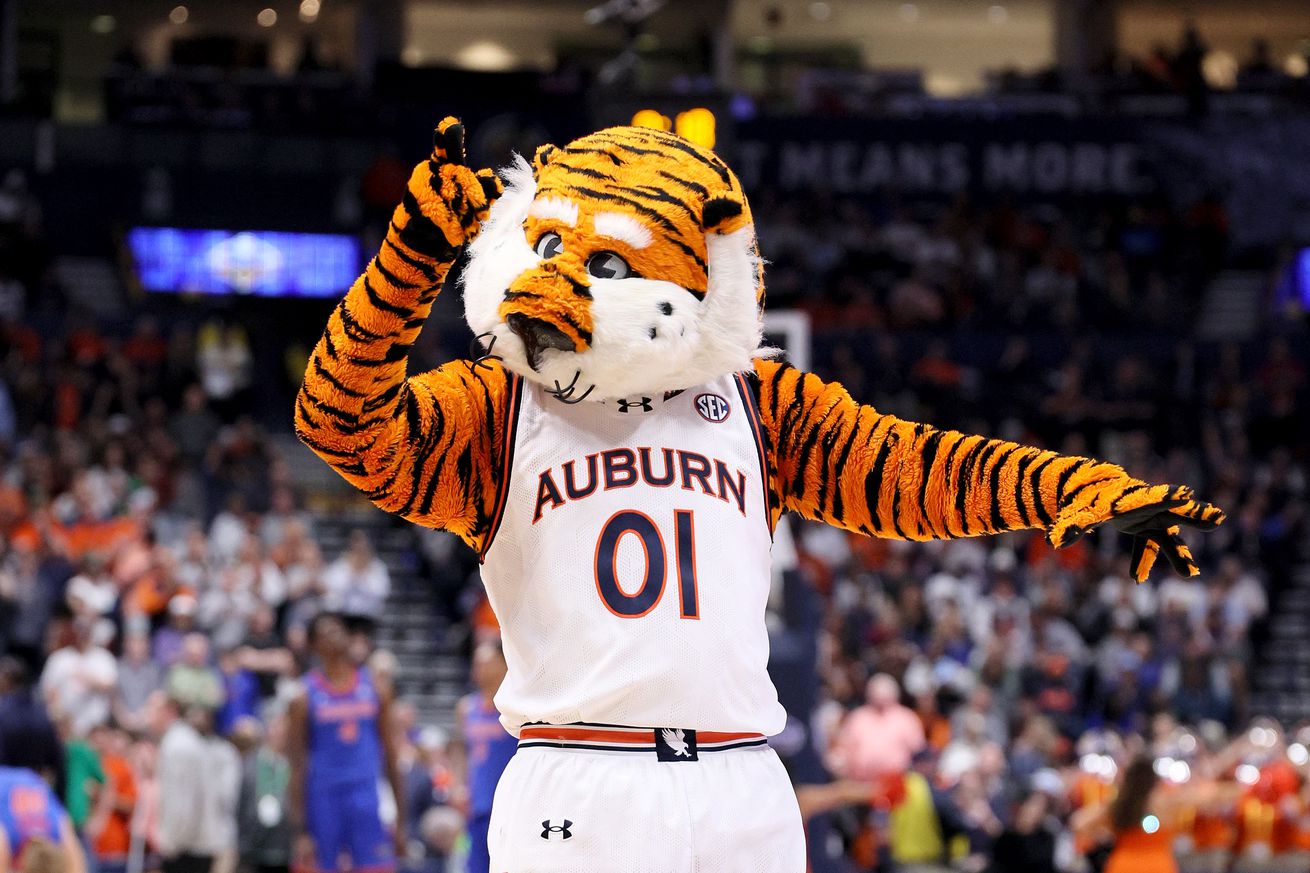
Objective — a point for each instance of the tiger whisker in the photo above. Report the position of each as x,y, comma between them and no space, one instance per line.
564,392
481,355
579,399
568,389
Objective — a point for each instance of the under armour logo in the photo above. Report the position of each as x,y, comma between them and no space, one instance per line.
563,830
644,404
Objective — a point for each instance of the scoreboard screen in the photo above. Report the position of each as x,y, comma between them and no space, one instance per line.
248,262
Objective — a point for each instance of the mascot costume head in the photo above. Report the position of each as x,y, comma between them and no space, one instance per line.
622,264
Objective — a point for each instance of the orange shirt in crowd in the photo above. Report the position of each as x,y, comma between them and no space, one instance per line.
115,835
1136,851
483,619
103,537
1262,814
148,597
1074,557
1212,831
1088,790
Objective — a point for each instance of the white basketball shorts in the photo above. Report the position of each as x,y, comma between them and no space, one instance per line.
601,799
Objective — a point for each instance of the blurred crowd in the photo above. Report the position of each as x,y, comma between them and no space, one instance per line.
157,575
1014,684
158,565
1188,68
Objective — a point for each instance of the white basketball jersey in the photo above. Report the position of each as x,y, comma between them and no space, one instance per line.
630,567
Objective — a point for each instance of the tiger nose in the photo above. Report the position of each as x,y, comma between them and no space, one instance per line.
537,336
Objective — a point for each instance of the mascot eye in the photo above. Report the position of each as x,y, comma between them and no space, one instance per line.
607,265
549,245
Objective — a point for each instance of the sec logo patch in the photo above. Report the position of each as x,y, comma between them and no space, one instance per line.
712,408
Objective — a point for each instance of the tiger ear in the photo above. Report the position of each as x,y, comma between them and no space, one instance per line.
724,212
542,157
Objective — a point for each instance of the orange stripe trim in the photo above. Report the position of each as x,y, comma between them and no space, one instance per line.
703,737
567,733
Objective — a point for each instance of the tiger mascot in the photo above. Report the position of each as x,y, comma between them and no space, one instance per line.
619,459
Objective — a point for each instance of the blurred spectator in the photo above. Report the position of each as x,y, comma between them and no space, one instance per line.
79,680
487,748
263,651
221,797
28,739
110,823
223,360
263,826
283,515
92,593
880,737
262,822
357,583
240,693
188,836
1027,845
914,830
192,681
440,828
84,780
425,768
139,676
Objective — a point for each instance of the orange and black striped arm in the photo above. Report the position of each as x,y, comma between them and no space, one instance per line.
429,448
834,460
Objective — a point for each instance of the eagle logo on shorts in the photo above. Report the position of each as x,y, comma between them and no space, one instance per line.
675,740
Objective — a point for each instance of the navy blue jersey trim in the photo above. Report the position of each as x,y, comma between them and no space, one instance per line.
507,467
757,433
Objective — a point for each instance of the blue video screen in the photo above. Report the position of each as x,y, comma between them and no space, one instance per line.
253,262
1293,290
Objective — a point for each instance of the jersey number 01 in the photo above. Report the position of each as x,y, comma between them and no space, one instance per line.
644,599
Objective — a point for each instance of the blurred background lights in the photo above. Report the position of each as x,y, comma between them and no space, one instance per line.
1220,70
179,15
486,56
266,17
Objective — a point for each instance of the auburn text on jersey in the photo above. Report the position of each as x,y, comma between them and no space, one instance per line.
623,468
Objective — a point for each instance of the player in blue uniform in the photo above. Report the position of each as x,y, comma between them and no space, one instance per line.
31,815
340,743
487,748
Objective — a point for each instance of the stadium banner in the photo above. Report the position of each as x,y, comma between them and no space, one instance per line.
1042,156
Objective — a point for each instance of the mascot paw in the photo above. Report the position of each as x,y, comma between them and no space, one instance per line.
446,202
1152,514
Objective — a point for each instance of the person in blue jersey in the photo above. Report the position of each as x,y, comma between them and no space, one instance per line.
340,745
487,748
33,822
